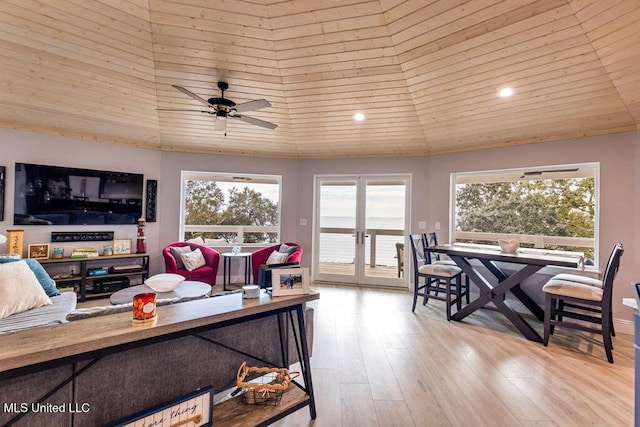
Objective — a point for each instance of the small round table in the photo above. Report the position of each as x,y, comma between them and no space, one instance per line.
187,288
227,257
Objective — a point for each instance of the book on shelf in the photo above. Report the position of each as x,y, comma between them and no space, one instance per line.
84,253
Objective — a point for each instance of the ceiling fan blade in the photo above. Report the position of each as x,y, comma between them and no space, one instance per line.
221,124
256,122
182,109
192,95
252,105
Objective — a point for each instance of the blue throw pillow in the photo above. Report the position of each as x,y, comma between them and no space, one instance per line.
47,283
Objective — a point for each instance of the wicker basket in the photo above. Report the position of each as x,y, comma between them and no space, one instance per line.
268,388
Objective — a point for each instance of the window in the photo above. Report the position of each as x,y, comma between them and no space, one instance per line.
544,207
230,208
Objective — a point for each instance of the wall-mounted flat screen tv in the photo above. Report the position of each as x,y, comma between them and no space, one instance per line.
55,195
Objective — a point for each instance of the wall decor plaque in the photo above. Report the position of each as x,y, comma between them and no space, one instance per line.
193,409
39,251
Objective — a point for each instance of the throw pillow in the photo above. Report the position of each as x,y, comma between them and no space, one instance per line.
47,283
277,258
197,240
286,249
193,260
19,289
177,251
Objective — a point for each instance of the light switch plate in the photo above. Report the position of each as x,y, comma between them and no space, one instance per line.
422,225
437,225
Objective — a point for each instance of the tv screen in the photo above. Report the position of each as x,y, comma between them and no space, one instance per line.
55,195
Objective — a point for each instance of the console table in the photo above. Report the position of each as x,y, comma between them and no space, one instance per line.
85,346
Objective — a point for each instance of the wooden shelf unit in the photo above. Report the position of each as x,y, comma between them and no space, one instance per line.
234,413
82,279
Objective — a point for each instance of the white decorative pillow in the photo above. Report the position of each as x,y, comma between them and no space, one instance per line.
277,258
19,289
197,240
193,260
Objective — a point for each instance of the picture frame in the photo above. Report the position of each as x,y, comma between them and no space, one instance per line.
38,251
121,246
289,281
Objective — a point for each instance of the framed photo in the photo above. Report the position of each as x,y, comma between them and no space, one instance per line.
289,281
121,246
39,251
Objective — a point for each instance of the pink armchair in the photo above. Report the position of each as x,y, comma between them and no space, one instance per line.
260,257
207,273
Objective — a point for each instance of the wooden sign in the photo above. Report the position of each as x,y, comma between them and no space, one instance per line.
39,251
192,410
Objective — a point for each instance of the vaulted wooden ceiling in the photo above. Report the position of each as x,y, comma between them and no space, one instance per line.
424,72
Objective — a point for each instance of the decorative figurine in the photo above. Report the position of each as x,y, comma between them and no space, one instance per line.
141,245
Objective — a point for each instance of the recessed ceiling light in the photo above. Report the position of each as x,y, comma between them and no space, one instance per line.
358,117
505,92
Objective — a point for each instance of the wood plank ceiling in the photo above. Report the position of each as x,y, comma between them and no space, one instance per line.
424,72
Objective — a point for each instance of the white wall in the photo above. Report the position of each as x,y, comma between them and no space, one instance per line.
38,148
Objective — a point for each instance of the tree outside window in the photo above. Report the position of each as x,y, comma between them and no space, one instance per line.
550,204
217,207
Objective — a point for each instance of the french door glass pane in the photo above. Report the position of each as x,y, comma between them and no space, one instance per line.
337,227
384,223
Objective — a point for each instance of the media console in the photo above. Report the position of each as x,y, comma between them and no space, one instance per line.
89,285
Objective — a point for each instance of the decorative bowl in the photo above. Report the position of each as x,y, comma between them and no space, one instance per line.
509,245
165,282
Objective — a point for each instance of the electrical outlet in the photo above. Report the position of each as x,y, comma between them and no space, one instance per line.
422,225
437,225
303,221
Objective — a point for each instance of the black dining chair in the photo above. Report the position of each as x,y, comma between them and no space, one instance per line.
438,278
432,240
436,258
568,299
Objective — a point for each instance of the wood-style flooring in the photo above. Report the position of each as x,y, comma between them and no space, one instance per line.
375,363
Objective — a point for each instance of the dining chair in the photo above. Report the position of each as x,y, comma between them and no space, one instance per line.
432,240
588,281
583,302
436,258
437,277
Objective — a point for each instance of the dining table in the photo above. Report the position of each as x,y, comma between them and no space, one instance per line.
510,269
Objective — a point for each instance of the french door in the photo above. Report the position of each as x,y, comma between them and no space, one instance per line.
359,229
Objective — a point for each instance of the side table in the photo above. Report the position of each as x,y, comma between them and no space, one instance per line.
227,257
188,288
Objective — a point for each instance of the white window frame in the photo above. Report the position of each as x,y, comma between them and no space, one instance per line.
500,174
239,178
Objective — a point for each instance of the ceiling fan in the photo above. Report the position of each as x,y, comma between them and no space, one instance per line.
224,108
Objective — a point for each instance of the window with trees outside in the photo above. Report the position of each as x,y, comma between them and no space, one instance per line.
554,208
230,208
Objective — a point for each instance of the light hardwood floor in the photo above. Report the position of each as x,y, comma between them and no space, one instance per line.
375,363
